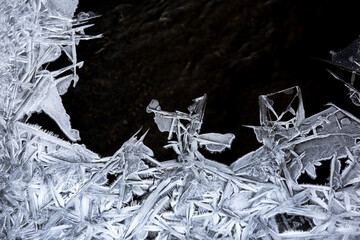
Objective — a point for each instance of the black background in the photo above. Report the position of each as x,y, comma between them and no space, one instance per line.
174,51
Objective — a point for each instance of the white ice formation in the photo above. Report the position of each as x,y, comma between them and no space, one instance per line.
54,189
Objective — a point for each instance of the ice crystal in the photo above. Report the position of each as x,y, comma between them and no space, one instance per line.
55,189
188,137
349,60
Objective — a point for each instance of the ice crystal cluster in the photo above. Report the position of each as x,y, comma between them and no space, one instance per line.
56,189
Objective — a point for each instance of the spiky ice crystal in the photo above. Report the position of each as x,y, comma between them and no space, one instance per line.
54,189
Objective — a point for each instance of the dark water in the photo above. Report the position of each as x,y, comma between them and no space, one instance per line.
174,51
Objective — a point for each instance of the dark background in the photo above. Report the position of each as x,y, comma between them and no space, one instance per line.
174,51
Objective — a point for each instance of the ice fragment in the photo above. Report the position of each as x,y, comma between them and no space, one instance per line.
188,137
349,60
349,57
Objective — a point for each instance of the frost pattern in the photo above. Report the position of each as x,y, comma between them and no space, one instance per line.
54,189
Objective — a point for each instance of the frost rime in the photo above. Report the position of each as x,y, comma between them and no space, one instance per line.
55,189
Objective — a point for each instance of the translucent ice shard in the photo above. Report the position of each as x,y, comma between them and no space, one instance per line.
216,142
280,114
349,60
349,57
290,114
64,7
188,137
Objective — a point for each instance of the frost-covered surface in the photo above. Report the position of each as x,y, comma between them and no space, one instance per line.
54,189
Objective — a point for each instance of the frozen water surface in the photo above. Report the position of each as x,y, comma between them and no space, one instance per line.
55,189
